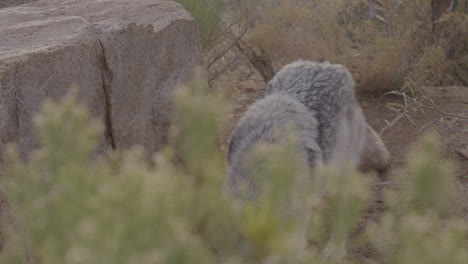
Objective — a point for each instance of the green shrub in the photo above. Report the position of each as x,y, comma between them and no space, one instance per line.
72,207
208,14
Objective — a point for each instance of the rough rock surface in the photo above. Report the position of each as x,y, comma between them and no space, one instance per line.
125,56
8,3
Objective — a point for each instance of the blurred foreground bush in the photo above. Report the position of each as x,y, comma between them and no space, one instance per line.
71,207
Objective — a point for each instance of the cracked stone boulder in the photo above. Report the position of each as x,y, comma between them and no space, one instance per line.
125,56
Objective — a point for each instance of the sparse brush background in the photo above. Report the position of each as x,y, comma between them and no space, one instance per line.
380,41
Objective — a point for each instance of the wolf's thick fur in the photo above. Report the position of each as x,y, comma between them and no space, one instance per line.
328,90
319,100
269,120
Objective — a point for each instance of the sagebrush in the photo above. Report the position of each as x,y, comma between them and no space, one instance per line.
69,206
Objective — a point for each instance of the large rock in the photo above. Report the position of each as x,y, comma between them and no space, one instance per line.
126,58
7,3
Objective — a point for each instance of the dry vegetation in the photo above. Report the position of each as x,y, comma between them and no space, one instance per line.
381,42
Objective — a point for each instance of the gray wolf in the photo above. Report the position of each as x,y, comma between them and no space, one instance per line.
319,100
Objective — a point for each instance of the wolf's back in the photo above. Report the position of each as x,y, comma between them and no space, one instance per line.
329,91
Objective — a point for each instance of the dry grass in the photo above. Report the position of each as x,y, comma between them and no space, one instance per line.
433,67
380,47
338,31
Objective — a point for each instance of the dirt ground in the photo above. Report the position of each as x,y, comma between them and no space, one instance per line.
400,136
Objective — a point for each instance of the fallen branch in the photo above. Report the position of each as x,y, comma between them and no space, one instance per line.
416,104
435,107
